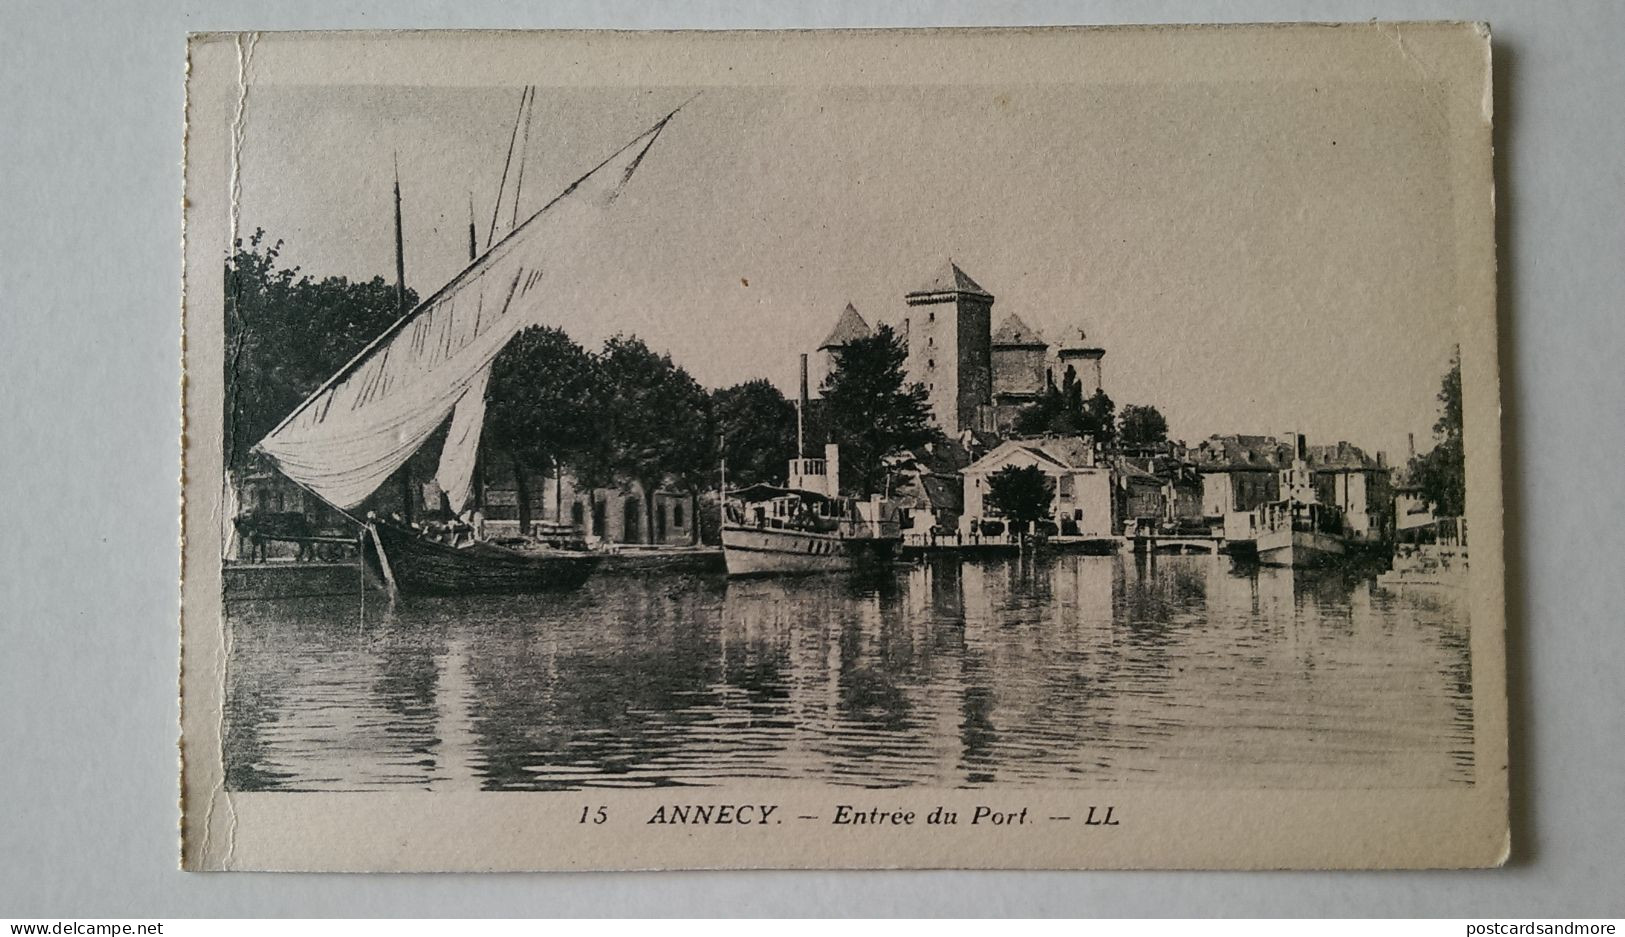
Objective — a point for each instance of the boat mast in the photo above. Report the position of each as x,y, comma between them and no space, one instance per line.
524,153
801,410
479,452
400,302
507,163
400,248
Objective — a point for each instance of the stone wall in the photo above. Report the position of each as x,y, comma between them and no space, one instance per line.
1018,371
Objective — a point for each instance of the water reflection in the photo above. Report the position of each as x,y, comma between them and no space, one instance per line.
1174,671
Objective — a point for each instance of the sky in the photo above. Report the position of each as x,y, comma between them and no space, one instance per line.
1253,258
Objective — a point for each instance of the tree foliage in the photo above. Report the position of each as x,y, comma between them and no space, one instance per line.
657,422
870,409
1047,416
1441,473
1098,417
1141,425
758,429
543,407
1022,493
1064,411
285,334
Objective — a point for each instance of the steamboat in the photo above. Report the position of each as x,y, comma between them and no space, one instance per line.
806,526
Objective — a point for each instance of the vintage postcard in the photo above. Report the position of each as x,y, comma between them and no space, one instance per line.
1059,448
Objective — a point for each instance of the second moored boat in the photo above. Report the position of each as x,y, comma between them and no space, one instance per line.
806,526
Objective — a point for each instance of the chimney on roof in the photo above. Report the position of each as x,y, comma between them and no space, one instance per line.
1382,459
1410,444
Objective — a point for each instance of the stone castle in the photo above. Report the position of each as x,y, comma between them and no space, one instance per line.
976,377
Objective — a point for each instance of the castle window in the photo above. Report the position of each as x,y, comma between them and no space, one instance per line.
930,342
930,362
931,316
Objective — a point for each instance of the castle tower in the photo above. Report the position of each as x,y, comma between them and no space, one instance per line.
1084,358
1019,363
849,326
1020,370
948,326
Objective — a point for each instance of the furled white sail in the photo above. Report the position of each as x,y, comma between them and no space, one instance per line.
346,438
456,472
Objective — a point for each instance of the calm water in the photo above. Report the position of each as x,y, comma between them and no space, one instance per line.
1181,672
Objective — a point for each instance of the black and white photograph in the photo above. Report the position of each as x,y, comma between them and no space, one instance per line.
851,443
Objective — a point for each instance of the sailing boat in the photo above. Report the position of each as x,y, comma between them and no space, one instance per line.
359,427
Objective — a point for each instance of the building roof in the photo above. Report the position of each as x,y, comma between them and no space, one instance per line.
1070,452
929,493
1241,453
1077,343
1151,470
1014,333
1341,457
949,281
849,326
946,457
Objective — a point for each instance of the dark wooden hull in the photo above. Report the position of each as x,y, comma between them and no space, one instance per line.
422,567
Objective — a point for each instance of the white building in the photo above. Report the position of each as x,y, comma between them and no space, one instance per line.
1082,502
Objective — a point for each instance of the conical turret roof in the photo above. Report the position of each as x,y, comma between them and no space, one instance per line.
1077,342
1013,332
848,327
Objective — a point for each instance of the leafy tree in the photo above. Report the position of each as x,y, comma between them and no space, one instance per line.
870,410
758,428
657,422
1441,473
1047,416
543,407
1097,418
1064,411
285,334
1141,425
1072,392
1021,493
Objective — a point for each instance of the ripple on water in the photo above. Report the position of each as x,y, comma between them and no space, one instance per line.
1182,672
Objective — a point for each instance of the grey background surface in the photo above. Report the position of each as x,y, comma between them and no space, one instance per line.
89,294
